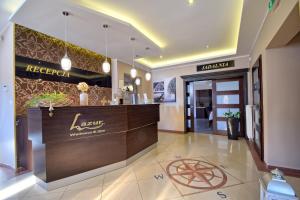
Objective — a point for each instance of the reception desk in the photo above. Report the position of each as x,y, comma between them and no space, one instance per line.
76,143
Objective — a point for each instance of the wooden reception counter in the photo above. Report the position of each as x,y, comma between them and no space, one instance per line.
81,142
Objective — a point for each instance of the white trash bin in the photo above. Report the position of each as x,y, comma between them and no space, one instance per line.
274,187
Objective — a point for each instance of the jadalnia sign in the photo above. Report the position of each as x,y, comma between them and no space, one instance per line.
213,66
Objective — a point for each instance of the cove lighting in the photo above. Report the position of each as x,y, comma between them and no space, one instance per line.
123,16
190,58
152,62
231,50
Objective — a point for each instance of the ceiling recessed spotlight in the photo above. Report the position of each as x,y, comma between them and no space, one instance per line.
160,56
147,48
207,46
191,2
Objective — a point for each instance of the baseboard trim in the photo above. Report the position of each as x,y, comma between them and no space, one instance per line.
286,171
262,166
171,131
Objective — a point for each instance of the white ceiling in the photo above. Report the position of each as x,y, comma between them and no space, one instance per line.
7,9
171,28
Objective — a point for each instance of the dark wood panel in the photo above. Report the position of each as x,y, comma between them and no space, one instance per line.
258,87
38,147
74,157
128,129
232,92
23,147
139,139
241,104
141,115
57,128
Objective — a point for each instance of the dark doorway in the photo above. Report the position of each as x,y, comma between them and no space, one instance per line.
258,136
202,110
203,120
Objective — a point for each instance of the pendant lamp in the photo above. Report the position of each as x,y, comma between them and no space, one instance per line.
133,72
105,64
65,62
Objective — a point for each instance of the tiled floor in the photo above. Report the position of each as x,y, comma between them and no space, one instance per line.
181,167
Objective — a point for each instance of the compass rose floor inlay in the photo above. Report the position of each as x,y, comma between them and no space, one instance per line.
196,174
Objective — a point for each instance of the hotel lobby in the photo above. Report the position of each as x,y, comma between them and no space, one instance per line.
149,100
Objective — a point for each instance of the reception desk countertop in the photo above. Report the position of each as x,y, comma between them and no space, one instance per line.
76,140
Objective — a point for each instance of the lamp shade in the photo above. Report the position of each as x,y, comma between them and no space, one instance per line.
133,73
138,81
106,67
148,76
66,63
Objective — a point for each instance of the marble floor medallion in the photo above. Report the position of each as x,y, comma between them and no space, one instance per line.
196,174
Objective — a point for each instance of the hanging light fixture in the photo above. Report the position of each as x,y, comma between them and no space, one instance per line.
105,64
65,62
138,81
133,72
148,76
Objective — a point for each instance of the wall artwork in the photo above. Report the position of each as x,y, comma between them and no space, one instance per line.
164,91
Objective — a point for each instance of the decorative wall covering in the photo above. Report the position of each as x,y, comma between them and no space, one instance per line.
26,88
32,44
35,45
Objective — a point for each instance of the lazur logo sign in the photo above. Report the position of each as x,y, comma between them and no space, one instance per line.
91,127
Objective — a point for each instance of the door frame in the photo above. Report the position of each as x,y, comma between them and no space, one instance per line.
241,105
258,65
243,73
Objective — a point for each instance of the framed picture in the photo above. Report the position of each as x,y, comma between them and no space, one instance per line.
164,91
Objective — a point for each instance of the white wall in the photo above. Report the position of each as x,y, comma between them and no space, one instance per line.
172,114
280,69
282,120
145,86
114,77
7,98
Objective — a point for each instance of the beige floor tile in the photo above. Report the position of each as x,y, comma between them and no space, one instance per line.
122,175
18,196
91,182
149,171
121,191
92,193
244,172
158,189
146,178
38,190
50,196
148,159
210,195
249,191
295,183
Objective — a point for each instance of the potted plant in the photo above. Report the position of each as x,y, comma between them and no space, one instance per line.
233,122
45,99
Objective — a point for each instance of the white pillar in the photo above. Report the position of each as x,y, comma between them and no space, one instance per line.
114,77
7,98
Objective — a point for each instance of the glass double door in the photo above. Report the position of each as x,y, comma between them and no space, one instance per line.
227,96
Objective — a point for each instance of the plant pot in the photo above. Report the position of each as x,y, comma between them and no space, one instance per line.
84,99
233,128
